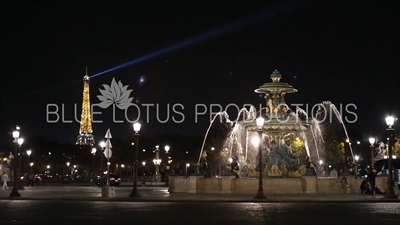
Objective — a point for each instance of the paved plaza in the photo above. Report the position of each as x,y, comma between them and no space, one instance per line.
84,204
219,213
153,193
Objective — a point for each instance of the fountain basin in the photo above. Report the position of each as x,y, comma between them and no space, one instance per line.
304,185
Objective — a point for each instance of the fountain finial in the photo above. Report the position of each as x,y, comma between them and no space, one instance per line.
276,76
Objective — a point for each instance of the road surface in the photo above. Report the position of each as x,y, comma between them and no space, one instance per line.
52,212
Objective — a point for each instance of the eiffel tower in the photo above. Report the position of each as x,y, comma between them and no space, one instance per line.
85,137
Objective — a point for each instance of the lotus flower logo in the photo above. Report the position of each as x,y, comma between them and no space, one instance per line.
117,94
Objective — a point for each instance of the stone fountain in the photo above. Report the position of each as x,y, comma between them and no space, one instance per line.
281,127
286,172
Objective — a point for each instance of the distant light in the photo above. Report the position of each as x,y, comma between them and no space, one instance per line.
256,141
260,121
389,121
371,140
136,127
102,144
20,141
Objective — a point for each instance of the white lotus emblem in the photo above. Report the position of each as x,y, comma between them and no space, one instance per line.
117,94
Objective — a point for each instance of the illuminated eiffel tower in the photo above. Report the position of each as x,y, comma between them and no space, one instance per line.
85,137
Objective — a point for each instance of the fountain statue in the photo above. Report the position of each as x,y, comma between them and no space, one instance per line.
280,129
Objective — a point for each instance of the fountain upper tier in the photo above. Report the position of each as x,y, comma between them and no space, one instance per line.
276,86
279,116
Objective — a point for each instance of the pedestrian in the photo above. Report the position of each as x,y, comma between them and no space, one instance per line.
371,178
31,179
5,179
333,174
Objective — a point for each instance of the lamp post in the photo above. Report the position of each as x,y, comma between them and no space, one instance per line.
19,184
260,193
166,148
157,161
390,192
143,172
29,152
14,192
102,146
372,142
187,167
134,193
93,152
108,173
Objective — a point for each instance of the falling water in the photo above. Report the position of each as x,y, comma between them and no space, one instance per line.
239,133
339,117
247,143
248,114
315,142
303,136
220,114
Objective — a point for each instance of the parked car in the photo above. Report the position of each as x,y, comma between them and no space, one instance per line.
115,180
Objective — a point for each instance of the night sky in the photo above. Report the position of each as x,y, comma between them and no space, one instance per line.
341,51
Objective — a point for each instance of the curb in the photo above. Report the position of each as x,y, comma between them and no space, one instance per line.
97,199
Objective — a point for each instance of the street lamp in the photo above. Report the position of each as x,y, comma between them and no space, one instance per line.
372,142
157,162
29,152
31,164
20,142
93,152
136,128
103,147
260,193
144,169
187,167
166,148
14,192
356,157
390,122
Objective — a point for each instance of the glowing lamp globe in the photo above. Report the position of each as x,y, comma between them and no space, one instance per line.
166,148
389,121
255,141
15,134
260,121
136,127
20,141
371,140
102,144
